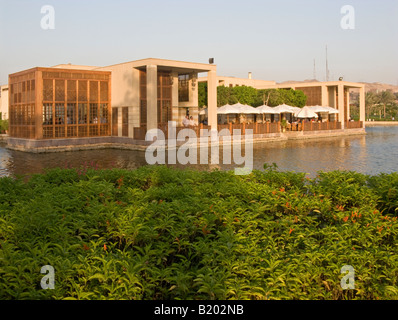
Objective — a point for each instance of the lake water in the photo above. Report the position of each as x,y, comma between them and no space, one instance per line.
373,153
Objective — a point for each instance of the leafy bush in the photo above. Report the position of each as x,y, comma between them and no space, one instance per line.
386,187
161,233
3,125
251,96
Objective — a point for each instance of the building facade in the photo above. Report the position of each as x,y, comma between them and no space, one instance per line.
72,105
48,103
123,100
148,93
335,94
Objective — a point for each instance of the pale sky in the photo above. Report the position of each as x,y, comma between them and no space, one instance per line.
275,40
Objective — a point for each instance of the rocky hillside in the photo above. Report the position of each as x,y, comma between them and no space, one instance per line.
374,86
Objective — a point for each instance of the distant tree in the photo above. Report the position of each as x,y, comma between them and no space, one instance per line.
275,97
386,97
244,94
202,94
299,98
253,97
371,99
223,95
381,102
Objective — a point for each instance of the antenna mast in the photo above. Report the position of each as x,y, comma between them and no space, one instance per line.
314,71
327,68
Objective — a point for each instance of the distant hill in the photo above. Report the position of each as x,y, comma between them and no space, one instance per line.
369,86
293,81
377,86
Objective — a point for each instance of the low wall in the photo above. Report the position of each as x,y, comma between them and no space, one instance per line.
381,123
324,133
76,144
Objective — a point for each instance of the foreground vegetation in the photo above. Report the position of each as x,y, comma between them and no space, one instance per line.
161,233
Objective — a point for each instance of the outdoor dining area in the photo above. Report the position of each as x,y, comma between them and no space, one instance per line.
266,119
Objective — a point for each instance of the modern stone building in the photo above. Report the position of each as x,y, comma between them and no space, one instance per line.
125,100
69,107
50,103
335,94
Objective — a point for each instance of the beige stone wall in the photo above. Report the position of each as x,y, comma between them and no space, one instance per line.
124,85
125,93
4,101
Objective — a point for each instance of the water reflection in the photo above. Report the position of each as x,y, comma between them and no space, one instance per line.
371,154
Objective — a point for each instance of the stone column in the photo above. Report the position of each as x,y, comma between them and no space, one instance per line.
131,122
212,99
362,111
38,104
340,105
348,103
332,97
119,121
325,95
152,96
174,99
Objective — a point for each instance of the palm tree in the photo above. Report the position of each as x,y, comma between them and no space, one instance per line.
386,97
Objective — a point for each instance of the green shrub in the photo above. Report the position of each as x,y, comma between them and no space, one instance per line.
161,233
3,125
385,186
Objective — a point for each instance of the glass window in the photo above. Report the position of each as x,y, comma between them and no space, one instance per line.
82,117
93,113
71,113
59,113
103,113
183,88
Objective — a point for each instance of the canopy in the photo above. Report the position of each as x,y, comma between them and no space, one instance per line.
318,108
244,108
306,112
237,108
284,108
228,109
266,109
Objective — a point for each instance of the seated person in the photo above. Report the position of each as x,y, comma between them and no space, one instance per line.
185,121
192,122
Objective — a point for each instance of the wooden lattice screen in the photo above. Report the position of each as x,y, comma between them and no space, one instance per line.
57,103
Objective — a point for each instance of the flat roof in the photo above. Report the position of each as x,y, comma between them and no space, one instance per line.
319,83
74,66
49,69
164,64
